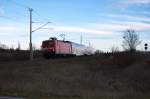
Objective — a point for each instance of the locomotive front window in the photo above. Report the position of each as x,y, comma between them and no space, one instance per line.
51,44
48,44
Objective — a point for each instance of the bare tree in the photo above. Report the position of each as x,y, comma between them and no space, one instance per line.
114,49
19,47
130,40
98,52
3,46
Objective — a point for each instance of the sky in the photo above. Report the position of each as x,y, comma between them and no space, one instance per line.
100,23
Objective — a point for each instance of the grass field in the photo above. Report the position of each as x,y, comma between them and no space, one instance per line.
116,76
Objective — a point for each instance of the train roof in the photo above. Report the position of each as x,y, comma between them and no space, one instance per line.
77,44
73,43
57,40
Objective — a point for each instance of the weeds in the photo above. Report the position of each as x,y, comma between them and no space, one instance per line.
76,78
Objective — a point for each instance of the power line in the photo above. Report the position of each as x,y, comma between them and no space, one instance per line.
12,19
31,31
44,19
40,15
27,7
19,4
15,12
41,26
18,13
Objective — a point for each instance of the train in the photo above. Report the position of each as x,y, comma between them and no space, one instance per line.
55,48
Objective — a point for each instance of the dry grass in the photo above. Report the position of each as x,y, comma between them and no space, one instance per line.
77,78
14,55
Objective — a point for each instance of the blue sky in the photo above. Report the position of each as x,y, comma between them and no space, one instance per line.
100,22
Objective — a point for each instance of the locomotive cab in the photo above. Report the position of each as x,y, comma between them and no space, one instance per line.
48,48
54,47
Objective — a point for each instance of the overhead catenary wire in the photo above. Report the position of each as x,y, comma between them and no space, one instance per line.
31,10
34,11
11,19
41,26
44,19
27,7
19,4
40,19
7,15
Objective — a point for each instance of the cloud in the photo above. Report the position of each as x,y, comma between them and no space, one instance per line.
106,32
123,22
12,30
18,28
138,26
23,30
110,27
80,30
137,2
105,29
127,3
129,17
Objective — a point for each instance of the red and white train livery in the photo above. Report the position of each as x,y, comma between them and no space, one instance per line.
54,47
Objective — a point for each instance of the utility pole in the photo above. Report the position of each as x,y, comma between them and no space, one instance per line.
81,38
31,31
89,44
31,51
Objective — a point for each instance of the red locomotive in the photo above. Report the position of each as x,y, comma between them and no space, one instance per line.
54,47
